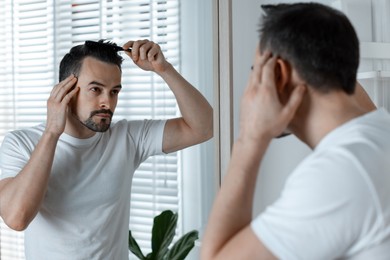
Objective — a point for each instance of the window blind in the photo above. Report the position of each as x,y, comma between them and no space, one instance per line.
38,33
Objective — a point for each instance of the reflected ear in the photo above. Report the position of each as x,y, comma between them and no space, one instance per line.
282,75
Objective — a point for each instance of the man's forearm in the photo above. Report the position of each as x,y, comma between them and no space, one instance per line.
22,195
196,111
232,210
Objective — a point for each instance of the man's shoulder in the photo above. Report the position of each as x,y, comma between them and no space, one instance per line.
32,132
361,131
379,115
131,125
127,122
124,125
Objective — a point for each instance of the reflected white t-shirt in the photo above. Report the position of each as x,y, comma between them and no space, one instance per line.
336,203
85,213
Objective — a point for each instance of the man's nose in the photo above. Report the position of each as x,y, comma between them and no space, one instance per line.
105,102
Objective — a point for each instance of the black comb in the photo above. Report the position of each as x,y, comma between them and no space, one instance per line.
114,47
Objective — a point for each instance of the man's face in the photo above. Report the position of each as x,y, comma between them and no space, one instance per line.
96,101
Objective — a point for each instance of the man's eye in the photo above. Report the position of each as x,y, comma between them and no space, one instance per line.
95,89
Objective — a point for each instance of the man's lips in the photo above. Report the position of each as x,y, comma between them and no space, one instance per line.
103,115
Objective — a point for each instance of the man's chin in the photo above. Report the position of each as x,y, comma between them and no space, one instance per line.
97,127
101,128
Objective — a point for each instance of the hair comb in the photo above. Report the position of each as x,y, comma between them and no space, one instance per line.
106,44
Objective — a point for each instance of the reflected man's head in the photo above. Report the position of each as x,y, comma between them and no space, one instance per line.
72,61
97,67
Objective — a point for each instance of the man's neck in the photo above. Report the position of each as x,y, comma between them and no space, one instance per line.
322,113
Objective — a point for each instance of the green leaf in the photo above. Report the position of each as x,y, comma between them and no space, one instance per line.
149,256
183,246
163,232
134,247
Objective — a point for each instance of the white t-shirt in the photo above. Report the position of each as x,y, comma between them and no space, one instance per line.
336,203
85,213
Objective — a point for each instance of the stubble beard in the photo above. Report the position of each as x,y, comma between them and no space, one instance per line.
101,126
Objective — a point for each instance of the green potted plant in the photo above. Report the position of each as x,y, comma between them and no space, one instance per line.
163,231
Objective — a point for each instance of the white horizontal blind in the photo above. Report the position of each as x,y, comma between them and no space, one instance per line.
38,33
27,77
6,68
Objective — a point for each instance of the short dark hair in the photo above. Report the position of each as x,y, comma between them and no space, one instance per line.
71,62
319,41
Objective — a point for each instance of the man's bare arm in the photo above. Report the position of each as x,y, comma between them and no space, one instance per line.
196,123
22,195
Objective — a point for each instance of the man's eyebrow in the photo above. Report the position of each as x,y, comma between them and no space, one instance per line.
102,85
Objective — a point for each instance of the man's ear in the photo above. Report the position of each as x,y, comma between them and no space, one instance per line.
282,75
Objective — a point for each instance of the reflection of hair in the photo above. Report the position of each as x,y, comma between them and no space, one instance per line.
71,63
317,40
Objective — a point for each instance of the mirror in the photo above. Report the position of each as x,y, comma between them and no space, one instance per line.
38,40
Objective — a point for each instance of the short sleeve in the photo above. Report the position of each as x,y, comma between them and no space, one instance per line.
320,212
13,156
147,135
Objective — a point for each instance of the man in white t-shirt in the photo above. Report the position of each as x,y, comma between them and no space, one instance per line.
68,180
336,203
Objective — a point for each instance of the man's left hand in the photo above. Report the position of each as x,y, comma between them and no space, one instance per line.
147,55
